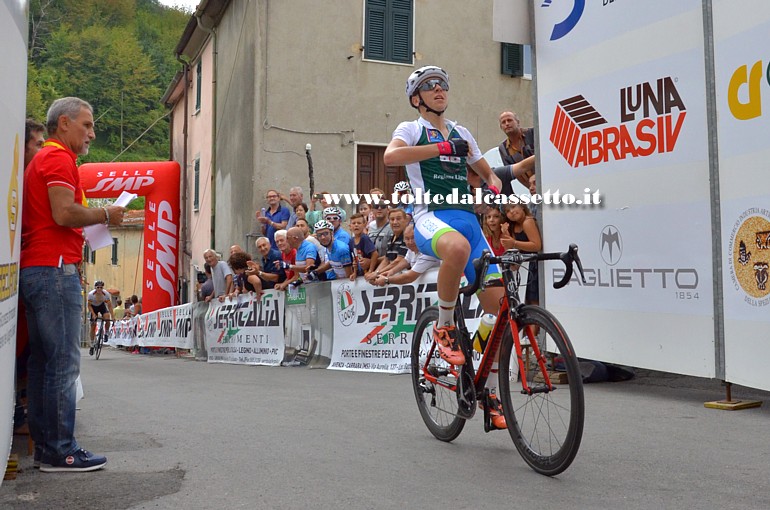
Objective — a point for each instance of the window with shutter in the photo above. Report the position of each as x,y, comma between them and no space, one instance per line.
197,185
388,30
114,251
198,82
512,59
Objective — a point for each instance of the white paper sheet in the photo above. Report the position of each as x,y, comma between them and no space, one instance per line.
98,236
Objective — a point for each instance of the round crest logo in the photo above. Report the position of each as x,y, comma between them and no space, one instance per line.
611,245
345,304
749,256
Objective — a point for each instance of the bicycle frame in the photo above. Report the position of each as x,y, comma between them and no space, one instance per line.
493,344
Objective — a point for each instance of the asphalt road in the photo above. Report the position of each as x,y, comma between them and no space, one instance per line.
192,435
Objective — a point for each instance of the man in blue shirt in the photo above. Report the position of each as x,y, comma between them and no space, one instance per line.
339,263
307,255
275,216
271,273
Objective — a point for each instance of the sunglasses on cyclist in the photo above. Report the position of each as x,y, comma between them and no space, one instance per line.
379,206
428,85
333,218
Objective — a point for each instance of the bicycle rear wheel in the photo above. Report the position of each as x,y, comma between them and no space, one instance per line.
99,341
437,402
546,425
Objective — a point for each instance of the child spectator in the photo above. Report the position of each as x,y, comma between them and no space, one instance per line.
492,228
364,251
395,248
525,237
238,262
410,267
366,210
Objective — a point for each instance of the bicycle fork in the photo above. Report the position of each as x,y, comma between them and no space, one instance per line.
526,389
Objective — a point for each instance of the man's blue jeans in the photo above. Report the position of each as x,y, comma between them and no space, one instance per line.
52,296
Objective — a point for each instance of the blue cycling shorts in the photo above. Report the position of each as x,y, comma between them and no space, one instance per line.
431,225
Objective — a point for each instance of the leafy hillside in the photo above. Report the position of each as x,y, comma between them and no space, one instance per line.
116,54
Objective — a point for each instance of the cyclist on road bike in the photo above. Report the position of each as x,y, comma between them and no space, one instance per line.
99,304
435,152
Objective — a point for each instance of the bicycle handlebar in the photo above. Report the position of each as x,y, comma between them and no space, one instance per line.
515,257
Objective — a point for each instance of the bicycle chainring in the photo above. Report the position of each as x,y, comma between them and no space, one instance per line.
466,394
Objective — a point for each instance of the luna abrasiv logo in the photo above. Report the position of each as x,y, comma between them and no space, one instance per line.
651,120
749,256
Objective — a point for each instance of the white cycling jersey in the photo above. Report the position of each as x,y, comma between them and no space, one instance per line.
97,298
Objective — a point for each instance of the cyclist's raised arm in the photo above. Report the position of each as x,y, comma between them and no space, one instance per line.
399,153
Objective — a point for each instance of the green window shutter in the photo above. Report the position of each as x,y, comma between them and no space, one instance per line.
197,185
401,26
198,81
512,59
389,34
114,251
374,45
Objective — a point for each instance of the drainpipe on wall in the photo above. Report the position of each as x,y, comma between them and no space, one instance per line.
213,33
184,235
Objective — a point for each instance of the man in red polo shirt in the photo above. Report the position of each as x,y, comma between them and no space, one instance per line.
53,215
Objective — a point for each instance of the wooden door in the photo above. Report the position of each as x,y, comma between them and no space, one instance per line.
371,171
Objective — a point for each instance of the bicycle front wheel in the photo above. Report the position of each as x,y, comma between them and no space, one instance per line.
437,401
99,342
546,425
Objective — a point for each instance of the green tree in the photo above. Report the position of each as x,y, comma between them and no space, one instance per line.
116,54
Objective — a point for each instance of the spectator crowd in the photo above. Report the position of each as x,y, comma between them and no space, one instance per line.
304,242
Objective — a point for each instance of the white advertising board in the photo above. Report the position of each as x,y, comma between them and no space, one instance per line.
742,67
373,326
247,331
13,81
167,327
622,109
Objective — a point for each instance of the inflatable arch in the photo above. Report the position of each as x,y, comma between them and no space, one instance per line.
158,182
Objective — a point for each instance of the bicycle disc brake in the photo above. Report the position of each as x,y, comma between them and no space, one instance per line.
466,394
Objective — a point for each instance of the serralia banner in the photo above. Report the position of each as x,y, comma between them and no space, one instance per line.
247,330
373,326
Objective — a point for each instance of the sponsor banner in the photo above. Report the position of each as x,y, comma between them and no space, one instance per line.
373,326
296,296
622,109
159,183
169,327
623,273
123,332
13,75
248,330
742,67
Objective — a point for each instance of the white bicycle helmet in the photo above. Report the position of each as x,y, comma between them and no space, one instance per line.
422,74
332,211
323,225
401,186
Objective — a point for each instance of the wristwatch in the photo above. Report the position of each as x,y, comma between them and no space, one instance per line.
387,280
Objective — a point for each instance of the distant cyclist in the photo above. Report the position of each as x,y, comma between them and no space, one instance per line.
99,305
435,152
